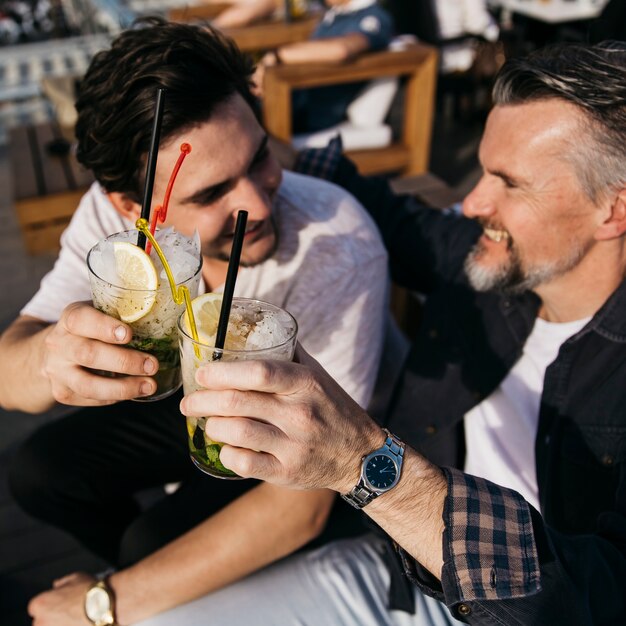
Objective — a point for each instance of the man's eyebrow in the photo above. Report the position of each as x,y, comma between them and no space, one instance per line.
200,196
507,178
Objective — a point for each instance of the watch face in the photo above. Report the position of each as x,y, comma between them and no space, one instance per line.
97,604
381,471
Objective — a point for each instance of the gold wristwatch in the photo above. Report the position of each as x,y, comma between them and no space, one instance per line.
100,604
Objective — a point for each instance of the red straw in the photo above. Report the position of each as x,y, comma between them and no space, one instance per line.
160,213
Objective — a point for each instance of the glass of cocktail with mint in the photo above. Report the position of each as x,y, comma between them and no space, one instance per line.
256,330
132,286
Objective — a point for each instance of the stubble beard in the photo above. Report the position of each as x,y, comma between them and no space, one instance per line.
510,277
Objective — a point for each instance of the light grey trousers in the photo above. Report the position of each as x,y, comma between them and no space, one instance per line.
344,583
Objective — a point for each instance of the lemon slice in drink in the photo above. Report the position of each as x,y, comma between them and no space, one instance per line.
136,272
206,311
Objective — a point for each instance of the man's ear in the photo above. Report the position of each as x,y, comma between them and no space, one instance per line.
125,206
615,225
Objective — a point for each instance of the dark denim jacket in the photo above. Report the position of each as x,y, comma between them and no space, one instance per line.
466,344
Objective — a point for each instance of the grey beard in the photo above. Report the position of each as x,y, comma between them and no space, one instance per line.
510,278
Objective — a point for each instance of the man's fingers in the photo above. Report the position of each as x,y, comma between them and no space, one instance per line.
89,385
85,388
103,356
232,403
245,433
278,377
80,318
84,344
250,464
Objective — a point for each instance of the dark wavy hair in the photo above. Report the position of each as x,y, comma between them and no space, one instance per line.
198,66
593,78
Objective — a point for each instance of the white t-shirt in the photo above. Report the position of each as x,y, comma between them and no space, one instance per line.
329,272
500,431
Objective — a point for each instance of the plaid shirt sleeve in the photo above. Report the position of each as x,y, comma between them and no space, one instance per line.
320,162
488,544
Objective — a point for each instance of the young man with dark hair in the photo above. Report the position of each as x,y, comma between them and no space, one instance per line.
82,472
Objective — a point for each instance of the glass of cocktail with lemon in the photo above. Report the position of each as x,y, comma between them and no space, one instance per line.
131,286
256,330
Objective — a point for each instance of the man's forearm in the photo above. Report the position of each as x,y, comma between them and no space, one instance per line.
244,13
412,512
22,383
332,50
265,524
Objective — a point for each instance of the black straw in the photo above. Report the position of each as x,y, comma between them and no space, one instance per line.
229,286
152,161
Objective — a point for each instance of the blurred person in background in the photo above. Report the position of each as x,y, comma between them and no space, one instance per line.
348,28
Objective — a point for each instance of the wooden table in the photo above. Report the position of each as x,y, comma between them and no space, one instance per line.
554,11
266,35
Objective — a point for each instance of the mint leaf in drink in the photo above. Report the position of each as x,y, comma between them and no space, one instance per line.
213,455
164,349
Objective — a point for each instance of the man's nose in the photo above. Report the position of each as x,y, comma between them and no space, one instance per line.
479,202
254,198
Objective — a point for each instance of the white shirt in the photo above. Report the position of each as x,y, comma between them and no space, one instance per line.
329,272
500,431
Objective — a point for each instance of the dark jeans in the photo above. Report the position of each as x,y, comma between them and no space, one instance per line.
82,473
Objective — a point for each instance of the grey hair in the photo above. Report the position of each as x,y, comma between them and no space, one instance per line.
593,78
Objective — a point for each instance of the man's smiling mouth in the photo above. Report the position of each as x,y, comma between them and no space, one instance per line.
496,235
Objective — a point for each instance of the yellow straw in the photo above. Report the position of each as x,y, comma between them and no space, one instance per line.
180,293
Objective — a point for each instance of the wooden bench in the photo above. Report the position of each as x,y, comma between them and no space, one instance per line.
46,187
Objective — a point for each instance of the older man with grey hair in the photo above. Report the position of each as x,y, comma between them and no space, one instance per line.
501,480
